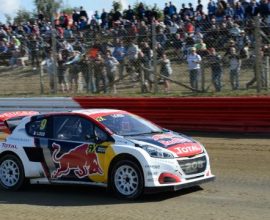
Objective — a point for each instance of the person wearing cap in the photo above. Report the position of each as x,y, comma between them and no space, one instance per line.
194,67
215,62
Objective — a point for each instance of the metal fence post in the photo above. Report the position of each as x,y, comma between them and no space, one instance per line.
257,35
154,46
54,51
267,73
41,74
203,76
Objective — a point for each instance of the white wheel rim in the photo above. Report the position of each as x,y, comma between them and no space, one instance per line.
126,180
9,173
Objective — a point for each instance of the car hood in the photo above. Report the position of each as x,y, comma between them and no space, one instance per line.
181,145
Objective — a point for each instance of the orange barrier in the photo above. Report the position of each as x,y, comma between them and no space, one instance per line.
226,114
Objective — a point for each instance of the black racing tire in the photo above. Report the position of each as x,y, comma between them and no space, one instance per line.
127,180
12,176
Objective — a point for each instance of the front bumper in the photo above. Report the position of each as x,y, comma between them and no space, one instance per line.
190,183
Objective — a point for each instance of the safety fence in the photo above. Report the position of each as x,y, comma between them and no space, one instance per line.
243,114
143,58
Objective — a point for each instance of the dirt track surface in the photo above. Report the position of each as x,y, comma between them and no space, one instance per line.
241,191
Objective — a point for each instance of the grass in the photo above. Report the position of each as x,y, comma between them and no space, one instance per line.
25,82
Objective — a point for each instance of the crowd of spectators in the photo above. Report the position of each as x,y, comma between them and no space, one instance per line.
97,50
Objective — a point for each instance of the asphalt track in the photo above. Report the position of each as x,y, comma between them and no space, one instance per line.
241,191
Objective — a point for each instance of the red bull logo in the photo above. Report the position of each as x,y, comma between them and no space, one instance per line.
82,160
170,139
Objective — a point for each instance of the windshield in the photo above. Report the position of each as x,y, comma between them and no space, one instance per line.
128,124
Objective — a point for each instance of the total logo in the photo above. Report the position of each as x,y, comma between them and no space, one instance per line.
187,149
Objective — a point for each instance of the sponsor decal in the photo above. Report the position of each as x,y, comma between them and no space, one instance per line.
100,119
117,115
149,180
82,160
187,149
169,139
20,139
9,146
149,173
153,166
39,133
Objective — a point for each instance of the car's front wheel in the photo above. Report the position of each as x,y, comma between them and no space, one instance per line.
127,179
11,173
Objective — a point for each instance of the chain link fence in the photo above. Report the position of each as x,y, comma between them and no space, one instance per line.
173,58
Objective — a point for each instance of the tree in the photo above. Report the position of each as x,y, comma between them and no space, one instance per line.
23,15
48,7
117,6
8,18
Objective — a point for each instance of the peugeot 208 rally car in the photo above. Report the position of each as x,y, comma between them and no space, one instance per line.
110,148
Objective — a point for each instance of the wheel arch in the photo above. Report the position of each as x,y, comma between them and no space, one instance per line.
10,153
123,156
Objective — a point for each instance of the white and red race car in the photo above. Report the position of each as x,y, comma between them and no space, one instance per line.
105,147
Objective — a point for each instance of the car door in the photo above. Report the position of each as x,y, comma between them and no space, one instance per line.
73,149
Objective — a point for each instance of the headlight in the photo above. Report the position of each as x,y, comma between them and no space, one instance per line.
157,152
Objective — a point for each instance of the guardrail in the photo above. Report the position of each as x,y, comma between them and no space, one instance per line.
243,114
40,104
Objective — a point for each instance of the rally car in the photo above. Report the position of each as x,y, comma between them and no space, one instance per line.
106,147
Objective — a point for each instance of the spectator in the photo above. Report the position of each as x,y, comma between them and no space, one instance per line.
166,71
130,14
74,69
3,50
104,19
211,8
263,68
100,73
194,67
119,53
264,8
201,48
88,74
62,71
63,20
166,10
199,7
172,9
235,67
75,17
252,9
34,47
83,14
49,66
239,12
132,60
147,65
215,62
111,66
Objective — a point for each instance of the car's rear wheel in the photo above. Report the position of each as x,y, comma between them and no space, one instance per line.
11,173
127,180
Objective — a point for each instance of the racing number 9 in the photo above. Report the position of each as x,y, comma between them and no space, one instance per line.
43,124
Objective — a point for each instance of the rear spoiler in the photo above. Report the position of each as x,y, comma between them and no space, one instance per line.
10,120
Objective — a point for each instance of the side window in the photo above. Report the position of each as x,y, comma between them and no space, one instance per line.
38,128
101,136
72,128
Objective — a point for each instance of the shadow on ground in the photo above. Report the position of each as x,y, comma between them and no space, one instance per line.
46,195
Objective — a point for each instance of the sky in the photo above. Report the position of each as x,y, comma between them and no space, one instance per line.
11,6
